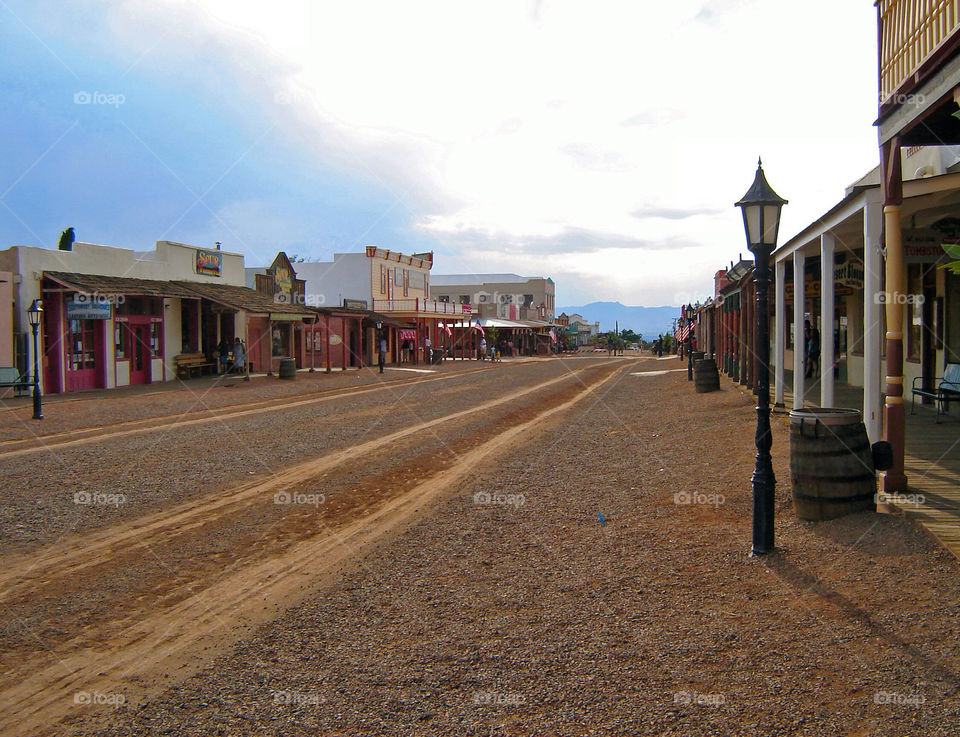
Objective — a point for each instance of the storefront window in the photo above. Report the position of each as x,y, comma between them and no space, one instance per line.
914,311
120,340
281,340
82,355
155,349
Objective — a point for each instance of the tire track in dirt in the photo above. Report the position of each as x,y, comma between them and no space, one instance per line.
24,572
69,438
159,644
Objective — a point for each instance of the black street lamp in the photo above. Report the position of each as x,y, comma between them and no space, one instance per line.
761,207
34,313
689,343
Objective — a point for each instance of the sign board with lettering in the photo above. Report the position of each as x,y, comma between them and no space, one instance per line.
84,308
209,263
355,304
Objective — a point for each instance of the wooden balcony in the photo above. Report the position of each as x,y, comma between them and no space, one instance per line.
913,35
419,306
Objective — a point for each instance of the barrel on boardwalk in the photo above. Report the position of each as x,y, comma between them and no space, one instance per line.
288,368
831,463
705,376
698,355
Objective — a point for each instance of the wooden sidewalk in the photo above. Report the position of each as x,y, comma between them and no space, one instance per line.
931,462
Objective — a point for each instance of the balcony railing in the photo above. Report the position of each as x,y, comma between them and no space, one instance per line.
911,32
430,306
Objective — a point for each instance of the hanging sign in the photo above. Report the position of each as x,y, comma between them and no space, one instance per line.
849,274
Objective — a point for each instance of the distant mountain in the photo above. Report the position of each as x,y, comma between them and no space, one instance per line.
648,321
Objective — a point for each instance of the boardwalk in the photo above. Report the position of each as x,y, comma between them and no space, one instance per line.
932,462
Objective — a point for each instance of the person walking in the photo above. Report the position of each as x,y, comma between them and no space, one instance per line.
483,349
239,356
382,353
223,349
427,352
660,346
813,352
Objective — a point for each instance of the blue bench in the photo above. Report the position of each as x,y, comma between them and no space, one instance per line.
946,390
10,376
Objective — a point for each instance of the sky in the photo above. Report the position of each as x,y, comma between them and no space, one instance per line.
600,143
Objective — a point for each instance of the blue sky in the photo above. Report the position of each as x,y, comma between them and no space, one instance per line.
176,157
600,144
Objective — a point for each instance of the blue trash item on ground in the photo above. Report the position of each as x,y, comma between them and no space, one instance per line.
603,520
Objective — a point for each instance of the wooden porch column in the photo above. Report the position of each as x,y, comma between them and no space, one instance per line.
872,412
343,343
799,347
828,247
894,430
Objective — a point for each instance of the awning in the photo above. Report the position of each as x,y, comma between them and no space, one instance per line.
498,323
248,300
109,285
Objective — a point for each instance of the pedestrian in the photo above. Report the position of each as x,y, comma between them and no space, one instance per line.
427,352
483,349
382,353
660,346
813,351
239,356
805,347
223,349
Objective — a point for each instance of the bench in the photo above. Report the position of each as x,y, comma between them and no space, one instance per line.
10,376
947,389
188,363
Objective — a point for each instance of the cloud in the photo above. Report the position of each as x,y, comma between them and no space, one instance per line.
586,156
673,213
569,240
653,117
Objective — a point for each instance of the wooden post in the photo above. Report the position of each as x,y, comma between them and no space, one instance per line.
326,331
894,430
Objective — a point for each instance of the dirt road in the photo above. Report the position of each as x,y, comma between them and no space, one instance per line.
126,607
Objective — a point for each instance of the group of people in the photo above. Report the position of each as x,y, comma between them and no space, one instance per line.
232,359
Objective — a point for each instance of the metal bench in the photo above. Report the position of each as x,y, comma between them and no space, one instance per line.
187,363
947,390
10,376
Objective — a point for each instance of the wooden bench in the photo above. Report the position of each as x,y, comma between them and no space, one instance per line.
188,363
947,389
10,376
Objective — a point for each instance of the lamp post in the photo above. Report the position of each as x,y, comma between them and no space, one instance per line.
689,343
34,313
760,208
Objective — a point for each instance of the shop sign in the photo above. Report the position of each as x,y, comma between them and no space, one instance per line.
209,262
335,339
283,278
407,334
88,309
355,304
849,274
921,246
284,316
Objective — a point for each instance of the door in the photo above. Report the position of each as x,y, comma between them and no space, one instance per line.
85,363
139,354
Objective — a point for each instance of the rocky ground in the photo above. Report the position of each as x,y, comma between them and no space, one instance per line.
608,590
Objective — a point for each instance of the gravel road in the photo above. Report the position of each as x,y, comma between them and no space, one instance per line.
533,616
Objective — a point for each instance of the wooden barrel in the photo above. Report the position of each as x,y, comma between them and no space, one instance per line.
705,376
288,368
831,463
698,356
